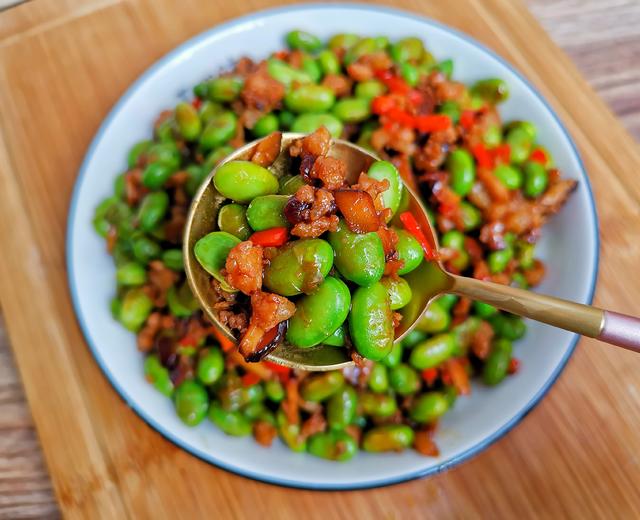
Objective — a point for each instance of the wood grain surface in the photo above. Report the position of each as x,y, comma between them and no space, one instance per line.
63,63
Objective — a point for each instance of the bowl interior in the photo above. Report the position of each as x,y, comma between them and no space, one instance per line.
569,246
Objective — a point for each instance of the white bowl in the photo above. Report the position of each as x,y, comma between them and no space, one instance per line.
569,246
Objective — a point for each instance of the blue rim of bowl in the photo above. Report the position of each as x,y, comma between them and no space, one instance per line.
184,47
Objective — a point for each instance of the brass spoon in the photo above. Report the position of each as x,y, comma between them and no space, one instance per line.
428,281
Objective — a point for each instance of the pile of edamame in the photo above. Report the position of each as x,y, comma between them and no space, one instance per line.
411,384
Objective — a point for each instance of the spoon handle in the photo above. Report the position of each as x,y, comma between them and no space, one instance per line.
611,327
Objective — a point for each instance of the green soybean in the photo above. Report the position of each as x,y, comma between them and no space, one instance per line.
413,338
145,249
404,380
329,62
172,258
230,422
352,109
286,74
497,363
191,402
447,301
309,123
509,176
299,266
164,131
274,390
155,175
290,433
498,260
214,158
158,375
484,310
253,411
520,143
493,90
369,89
210,366
390,437
407,49
267,211
333,445
309,99
188,121
220,129
212,250
225,89
181,301
446,68
319,387
343,41
265,125
291,185
410,74
462,170
394,357
409,251
384,170
508,327
341,408
152,210
137,151
378,378
432,352
455,240
528,127
319,314
208,110
536,179
358,257
435,319
232,218
336,339
429,407
131,274
399,291
253,393
243,181
166,153
526,254
363,47
463,334
451,109
471,216
311,66
378,405
371,322
303,41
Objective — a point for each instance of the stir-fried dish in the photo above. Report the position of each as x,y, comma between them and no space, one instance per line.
489,188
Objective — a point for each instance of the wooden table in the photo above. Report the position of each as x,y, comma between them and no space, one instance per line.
575,455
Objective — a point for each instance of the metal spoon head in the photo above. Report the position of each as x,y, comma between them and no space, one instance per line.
427,281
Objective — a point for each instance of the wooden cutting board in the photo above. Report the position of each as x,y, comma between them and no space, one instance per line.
63,63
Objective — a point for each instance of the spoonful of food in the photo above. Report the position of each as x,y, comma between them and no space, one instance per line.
308,250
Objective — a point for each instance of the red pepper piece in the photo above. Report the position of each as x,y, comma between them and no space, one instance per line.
467,118
382,104
538,155
383,74
429,375
400,116
250,379
397,85
273,237
514,366
196,103
502,153
415,97
276,368
411,225
483,156
432,122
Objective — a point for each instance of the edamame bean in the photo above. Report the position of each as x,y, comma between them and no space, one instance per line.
319,314
343,41
493,90
191,402
319,387
303,41
451,109
399,291
382,42
407,49
220,129
352,110
137,151
370,89
119,186
225,89
471,216
413,338
520,142
361,48
286,74
309,123
526,254
329,62
253,393
166,153
274,390
404,380
291,186
484,310
358,257
208,110
509,176
389,437
429,407
378,378
462,170
144,249
158,375
188,121
212,250
164,131
498,260
508,327
536,179
267,212
455,240
172,258
312,68
527,126
394,357
152,210
115,306
519,280
410,74
196,175
155,175
334,445
371,322
446,67
214,158
253,411
230,392
384,170
131,274
447,301
181,302
265,125
310,99
243,181
432,352
463,334
232,219
230,422
210,366
299,266
409,251
341,408
336,339
497,363
378,405
290,433
435,319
